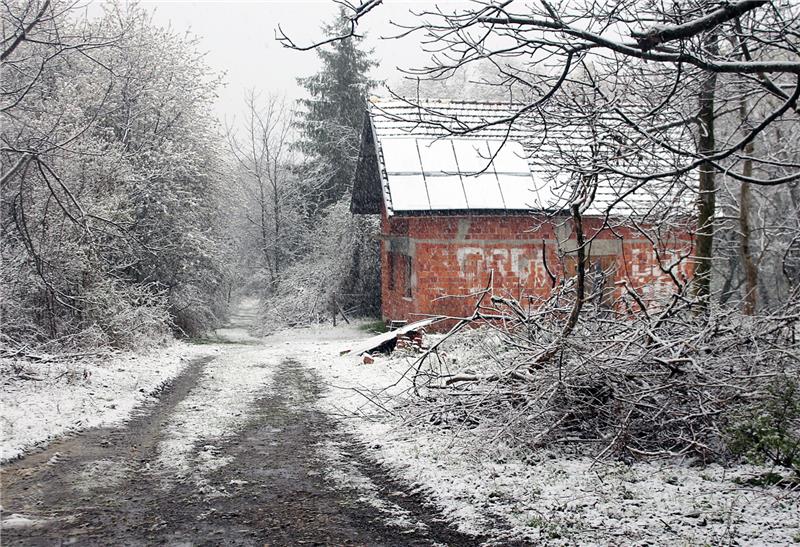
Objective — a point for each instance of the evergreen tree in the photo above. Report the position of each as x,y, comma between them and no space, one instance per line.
331,124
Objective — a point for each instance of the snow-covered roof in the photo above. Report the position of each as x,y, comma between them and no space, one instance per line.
478,157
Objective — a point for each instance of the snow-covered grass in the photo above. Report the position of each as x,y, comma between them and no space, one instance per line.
43,400
486,487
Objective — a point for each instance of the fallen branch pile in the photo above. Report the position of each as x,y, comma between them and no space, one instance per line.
616,383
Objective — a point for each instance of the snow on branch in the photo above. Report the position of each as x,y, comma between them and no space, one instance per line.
657,35
359,11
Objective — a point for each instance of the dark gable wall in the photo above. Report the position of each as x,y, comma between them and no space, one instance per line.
367,193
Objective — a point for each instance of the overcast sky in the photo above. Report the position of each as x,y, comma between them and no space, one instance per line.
239,37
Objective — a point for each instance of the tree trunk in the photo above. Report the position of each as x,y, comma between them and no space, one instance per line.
750,270
265,244
277,235
706,203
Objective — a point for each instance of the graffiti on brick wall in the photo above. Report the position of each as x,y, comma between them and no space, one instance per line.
512,266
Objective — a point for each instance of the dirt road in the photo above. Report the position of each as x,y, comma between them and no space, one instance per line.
234,452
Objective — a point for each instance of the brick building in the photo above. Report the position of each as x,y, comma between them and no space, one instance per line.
454,208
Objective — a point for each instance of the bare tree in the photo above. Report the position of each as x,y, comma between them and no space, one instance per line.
265,160
689,99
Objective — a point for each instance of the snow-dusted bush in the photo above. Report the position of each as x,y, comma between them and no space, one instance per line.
769,431
110,226
344,260
124,315
98,311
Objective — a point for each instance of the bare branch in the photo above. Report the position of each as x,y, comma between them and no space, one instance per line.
655,36
358,12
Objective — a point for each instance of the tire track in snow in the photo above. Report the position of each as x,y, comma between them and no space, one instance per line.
216,408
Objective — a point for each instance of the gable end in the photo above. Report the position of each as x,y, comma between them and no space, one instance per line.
367,194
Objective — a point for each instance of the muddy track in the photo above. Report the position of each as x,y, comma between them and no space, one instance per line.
102,487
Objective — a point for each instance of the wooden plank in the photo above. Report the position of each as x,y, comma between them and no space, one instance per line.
380,339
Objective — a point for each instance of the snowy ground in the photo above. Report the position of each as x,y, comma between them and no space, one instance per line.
484,488
234,451
43,400
480,485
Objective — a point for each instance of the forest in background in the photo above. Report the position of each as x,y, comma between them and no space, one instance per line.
293,167
129,214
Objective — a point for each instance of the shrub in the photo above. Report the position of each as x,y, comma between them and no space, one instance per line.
771,433
343,260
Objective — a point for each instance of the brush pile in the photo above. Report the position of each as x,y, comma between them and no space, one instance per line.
621,380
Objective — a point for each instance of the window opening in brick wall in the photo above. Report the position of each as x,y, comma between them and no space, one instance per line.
408,269
391,271
601,273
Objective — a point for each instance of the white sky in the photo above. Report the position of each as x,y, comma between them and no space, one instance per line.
239,37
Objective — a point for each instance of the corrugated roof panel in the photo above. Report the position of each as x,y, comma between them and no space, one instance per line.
554,190
437,156
446,192
483,191
557,150
408,192
400,155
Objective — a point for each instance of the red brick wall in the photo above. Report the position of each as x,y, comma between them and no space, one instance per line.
451,257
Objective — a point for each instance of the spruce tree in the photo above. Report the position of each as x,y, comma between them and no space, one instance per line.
330,127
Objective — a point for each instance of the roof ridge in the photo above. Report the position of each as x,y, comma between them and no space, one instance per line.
381,100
